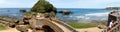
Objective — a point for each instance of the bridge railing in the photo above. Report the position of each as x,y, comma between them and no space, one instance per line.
115,27
65,25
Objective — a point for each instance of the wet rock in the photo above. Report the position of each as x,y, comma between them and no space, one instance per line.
23,10
65,12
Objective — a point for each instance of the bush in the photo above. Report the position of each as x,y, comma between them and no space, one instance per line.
2,27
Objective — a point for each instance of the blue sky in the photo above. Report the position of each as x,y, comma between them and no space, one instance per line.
61,3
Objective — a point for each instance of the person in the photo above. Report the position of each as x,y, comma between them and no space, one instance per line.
110,25
112,17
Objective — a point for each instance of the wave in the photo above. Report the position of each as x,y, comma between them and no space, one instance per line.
98,14
91,16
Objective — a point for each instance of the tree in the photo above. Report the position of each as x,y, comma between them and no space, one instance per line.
43,6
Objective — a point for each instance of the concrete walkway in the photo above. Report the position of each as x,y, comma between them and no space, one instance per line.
94,29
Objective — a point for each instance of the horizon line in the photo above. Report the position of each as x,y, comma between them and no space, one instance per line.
31,7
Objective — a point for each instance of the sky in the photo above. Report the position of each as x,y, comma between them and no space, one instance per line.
61,3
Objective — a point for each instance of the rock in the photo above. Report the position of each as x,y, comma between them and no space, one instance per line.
65,12
22,28
12,25
39,7
26,17
23,10
101,26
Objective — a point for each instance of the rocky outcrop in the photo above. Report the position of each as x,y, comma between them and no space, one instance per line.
43,6
23,10
112,8
41,19
65,12
39,23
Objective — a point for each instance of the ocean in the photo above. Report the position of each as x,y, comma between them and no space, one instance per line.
79,14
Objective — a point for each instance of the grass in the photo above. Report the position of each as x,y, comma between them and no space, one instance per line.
82,25
2,27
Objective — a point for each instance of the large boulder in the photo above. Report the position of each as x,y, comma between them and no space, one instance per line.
100,26
22,28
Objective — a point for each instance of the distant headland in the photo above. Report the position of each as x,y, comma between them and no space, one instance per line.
112,8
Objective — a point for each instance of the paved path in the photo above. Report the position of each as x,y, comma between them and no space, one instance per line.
62,27
94,29
11,30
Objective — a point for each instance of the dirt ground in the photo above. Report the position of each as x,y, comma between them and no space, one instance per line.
94,29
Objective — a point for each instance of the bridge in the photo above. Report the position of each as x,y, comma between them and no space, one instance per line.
40,23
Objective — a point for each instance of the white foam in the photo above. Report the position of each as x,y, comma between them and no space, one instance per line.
14,14
80,16
91,16
97,14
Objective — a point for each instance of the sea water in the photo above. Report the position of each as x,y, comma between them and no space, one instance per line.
79,14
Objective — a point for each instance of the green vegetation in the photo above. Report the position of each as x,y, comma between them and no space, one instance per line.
2,27
82,25
43,6
113,8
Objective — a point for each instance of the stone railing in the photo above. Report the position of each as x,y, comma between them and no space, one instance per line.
64,24
115,27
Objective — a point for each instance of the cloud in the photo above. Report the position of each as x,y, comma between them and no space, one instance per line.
62,3
17,3
83,3
2,1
